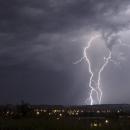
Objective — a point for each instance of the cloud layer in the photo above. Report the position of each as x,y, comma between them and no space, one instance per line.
40,40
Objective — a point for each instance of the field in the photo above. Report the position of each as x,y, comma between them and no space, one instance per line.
66,124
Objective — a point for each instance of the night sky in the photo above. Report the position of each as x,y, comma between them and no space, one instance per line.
41,39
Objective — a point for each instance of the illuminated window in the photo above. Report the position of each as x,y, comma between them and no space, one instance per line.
106,121
49,113
118,111
95,124
77,113
44,110
37,112
54,111
60,114
98,111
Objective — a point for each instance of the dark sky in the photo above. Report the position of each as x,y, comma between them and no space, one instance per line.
41,39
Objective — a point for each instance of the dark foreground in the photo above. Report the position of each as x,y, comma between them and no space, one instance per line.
44,117
41,124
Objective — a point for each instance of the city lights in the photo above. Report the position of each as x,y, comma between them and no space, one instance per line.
106,121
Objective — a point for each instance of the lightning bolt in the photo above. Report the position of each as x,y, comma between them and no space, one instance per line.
107,59
97,90
92,89
90,69
99,74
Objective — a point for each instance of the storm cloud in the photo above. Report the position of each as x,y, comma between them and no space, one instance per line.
40,41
